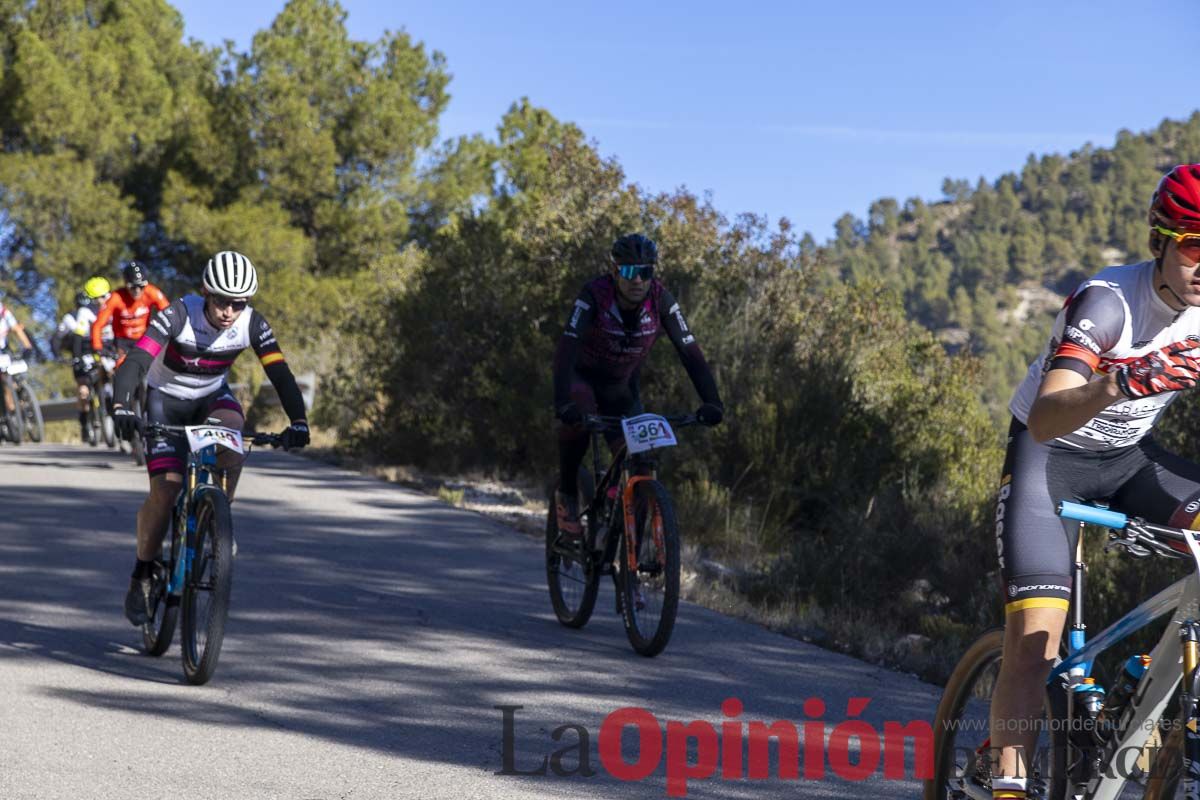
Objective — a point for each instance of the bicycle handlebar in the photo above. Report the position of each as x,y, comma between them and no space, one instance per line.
1133,533
272,439
600,423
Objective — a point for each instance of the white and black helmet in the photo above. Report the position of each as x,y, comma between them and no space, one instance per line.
230,274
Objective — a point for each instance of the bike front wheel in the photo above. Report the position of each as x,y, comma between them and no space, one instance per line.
31,411
649,575
572,573
207,587
961,731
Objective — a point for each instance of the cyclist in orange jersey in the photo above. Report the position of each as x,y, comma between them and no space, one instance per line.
129,309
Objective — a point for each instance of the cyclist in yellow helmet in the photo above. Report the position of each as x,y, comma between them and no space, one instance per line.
75,337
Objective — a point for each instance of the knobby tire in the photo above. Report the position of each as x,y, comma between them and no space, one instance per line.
210,579
654,573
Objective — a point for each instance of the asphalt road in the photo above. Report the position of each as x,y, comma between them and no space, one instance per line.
373,633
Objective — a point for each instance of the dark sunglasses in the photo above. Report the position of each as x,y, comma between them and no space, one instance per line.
228,302
632,271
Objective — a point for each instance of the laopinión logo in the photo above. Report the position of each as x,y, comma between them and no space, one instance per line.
731,749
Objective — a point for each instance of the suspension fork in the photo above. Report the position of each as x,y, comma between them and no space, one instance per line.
631,483
1189,635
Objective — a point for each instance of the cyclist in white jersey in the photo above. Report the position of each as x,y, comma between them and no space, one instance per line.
1125,344
9,324
74,337
188,349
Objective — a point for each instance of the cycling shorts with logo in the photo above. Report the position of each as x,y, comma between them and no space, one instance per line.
168,452
1036,546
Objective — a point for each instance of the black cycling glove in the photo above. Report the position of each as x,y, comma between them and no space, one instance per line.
295,435
127,423
710,414
570,414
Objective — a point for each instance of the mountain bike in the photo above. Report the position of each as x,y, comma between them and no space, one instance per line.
629,532
99,369
1139,740
194,575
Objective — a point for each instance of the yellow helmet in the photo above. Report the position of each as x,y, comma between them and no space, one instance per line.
97,287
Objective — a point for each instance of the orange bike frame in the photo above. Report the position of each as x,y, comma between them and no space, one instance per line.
631,523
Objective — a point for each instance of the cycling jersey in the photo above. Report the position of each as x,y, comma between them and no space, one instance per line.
1109,320
129,316
606,344
75,331
7,323
196,356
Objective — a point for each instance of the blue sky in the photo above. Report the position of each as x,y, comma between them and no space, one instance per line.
799,109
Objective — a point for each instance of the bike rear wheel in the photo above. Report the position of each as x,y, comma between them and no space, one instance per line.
649,576
31,410
961,754
207,587
572,573
105,424
164,608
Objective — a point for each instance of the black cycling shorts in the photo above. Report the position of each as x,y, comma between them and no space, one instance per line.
168,452
1036,546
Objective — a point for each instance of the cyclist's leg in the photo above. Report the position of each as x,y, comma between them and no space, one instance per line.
573,439
165,463
1035,551
1166,490
166,457
225,410
81,367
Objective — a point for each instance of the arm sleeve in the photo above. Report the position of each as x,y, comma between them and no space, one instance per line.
1094,320
102,318
567,351
159,299
262,339
163,326
689,351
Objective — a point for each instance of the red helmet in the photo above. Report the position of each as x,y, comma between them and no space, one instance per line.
1176,201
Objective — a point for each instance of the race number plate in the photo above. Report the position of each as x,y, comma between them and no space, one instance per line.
18,367
5,361
201,436
647,432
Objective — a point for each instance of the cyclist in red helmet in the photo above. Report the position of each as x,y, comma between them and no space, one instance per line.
1123,347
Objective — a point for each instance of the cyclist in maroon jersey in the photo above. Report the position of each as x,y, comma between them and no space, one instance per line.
617,318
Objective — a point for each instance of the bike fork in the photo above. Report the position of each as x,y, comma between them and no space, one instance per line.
1189,634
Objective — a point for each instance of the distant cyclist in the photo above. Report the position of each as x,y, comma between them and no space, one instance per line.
9,323
128,309
74,340
617,318
199,337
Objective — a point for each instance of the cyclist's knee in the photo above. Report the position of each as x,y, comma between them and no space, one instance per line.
165,487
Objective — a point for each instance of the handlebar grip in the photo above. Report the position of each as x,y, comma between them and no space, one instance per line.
1096,516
